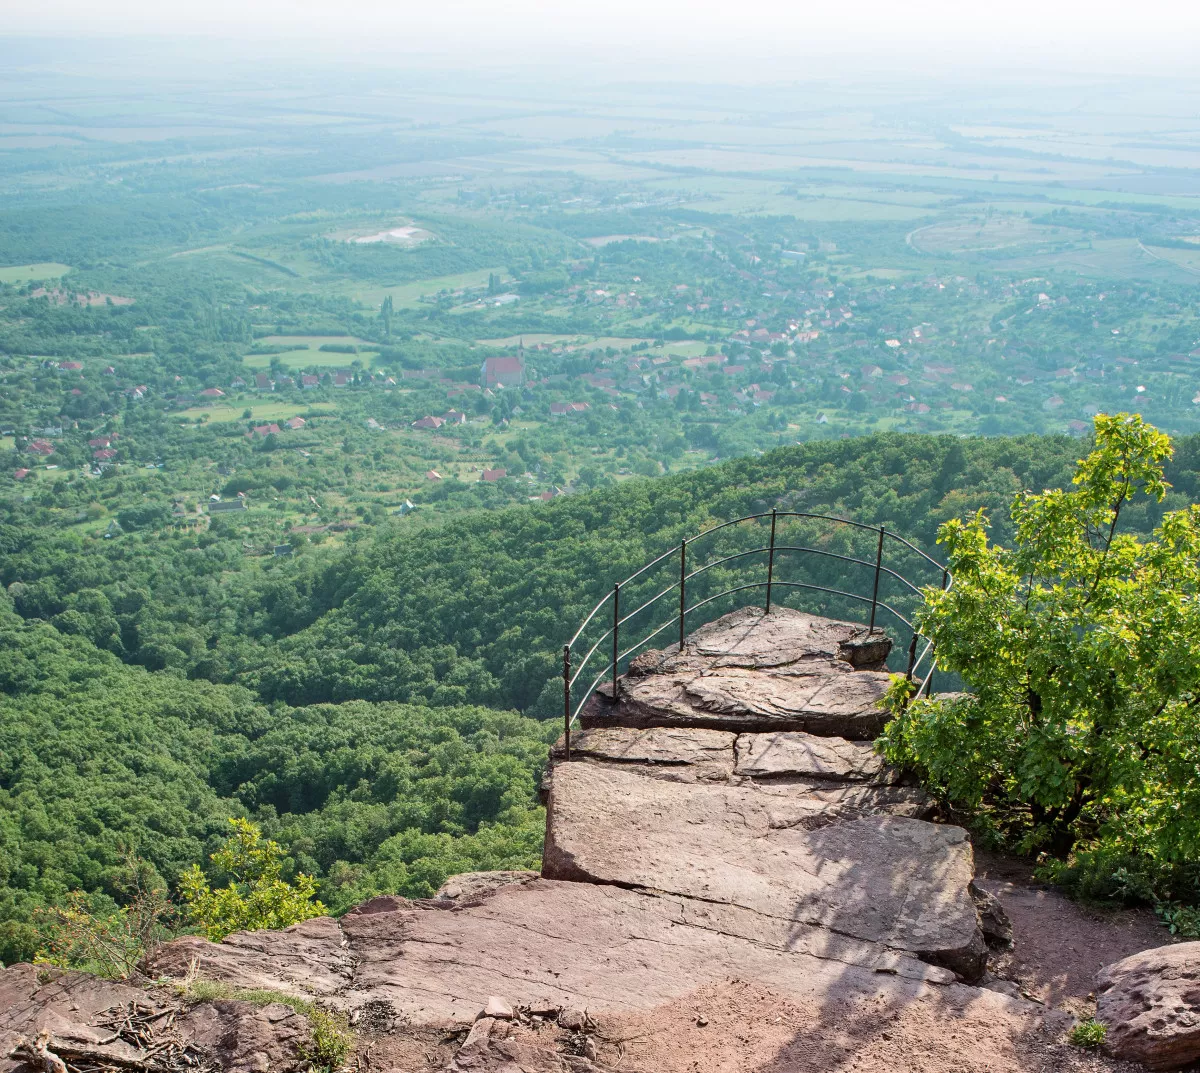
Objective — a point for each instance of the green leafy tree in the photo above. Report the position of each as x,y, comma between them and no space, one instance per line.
257,896
1081,645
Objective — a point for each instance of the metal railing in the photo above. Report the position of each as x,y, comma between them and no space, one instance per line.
771,583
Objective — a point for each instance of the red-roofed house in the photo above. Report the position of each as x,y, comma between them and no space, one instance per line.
70,366
106,455
432,475
295,423
454,417
494,474
308,381
263,431
40,447
212,393
508,372
557,409
429,422
20,474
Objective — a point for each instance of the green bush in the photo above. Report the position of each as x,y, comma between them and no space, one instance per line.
257,896
1081,644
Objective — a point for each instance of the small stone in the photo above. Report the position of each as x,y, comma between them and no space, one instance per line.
477,1039
498,1008
278,1011
589,1049
572,1020
701,1020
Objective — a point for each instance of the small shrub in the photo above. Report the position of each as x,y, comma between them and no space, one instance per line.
1089,1033
256,896
87,935
1180,920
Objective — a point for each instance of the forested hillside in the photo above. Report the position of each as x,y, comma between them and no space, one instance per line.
361,702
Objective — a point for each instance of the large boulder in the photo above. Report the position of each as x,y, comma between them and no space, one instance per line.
812,860
1151,1005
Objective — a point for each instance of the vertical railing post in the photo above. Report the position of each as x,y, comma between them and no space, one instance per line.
878,567
682,589
567,698
771,561
616,633
912,657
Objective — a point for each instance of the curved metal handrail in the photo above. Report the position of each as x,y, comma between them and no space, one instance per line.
770,550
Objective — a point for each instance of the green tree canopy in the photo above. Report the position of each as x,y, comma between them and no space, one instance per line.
1081,645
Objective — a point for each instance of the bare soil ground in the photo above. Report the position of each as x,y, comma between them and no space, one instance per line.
1060,945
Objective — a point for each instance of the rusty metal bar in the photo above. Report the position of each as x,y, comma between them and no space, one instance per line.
616,632
875,592
682,588
567,698
771,561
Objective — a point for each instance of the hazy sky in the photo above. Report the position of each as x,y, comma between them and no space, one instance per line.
735,38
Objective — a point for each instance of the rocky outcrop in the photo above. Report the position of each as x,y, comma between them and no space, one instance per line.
1150,1003
751,671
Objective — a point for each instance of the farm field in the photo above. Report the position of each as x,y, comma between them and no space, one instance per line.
33,273
410,294
985,233
309,359
313,342
259,411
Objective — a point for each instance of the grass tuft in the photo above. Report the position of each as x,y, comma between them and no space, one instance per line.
1089,1033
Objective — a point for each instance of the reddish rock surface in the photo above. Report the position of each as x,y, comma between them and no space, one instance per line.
1150,1003
751,671
79,1018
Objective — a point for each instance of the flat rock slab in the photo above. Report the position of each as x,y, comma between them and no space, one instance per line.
309,958
673,747
795,754
752,671
545,944
1151,1005
806,860
750,637
828,699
